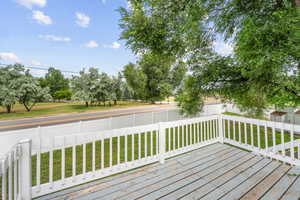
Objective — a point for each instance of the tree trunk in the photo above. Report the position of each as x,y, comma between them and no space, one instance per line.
297,3
8,109
115,102
26,106
87,104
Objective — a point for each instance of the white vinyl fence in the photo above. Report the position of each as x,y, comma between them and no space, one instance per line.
37,167
10,138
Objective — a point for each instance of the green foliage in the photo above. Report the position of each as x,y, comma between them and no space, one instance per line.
93,87
153,77
63,95
9,77
16,85
29,92
55,80
262,71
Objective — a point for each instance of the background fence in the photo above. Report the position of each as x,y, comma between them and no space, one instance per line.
10,138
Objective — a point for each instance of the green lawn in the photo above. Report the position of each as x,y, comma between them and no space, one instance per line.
46,109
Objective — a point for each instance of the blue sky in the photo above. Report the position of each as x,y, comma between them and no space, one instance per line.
67,34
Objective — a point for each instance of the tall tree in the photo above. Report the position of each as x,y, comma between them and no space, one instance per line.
9,76
264,67
29,91
55,80
83,86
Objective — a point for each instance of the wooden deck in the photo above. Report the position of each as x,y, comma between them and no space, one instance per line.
214,172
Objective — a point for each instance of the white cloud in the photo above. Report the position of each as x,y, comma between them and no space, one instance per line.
55,38
223,48
10,57
82,20
41,18
30,3
114,45
92,44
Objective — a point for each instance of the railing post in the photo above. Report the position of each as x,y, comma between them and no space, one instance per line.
162,142
221,131
25,170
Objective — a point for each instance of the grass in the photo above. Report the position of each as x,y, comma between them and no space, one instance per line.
47,109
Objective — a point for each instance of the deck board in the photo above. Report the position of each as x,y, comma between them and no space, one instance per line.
216,171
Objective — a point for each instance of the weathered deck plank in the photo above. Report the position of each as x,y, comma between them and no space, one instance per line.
244,187
234,182
205,179
260,189
145,185
213,172
279,189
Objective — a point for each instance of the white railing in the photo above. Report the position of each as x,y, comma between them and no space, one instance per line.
15,172
60,162
276,140
75,159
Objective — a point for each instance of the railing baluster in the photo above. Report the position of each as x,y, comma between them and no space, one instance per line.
146,144
139,146
245,133
190,134
84,160
74,159
228,129
126,148
38,159
258,135
132,147
240,133
4,179
282,140
15,173
118,149
201,131
195,138
252,136
234,131
274,137
110,151
186,135
292,143
151,143
94,156
51,163
102,153
63,154
266,136
10,176
169,140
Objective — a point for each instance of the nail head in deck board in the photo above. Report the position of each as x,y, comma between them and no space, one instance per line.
260,189
282,185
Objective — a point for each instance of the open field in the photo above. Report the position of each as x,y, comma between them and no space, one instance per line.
47,109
